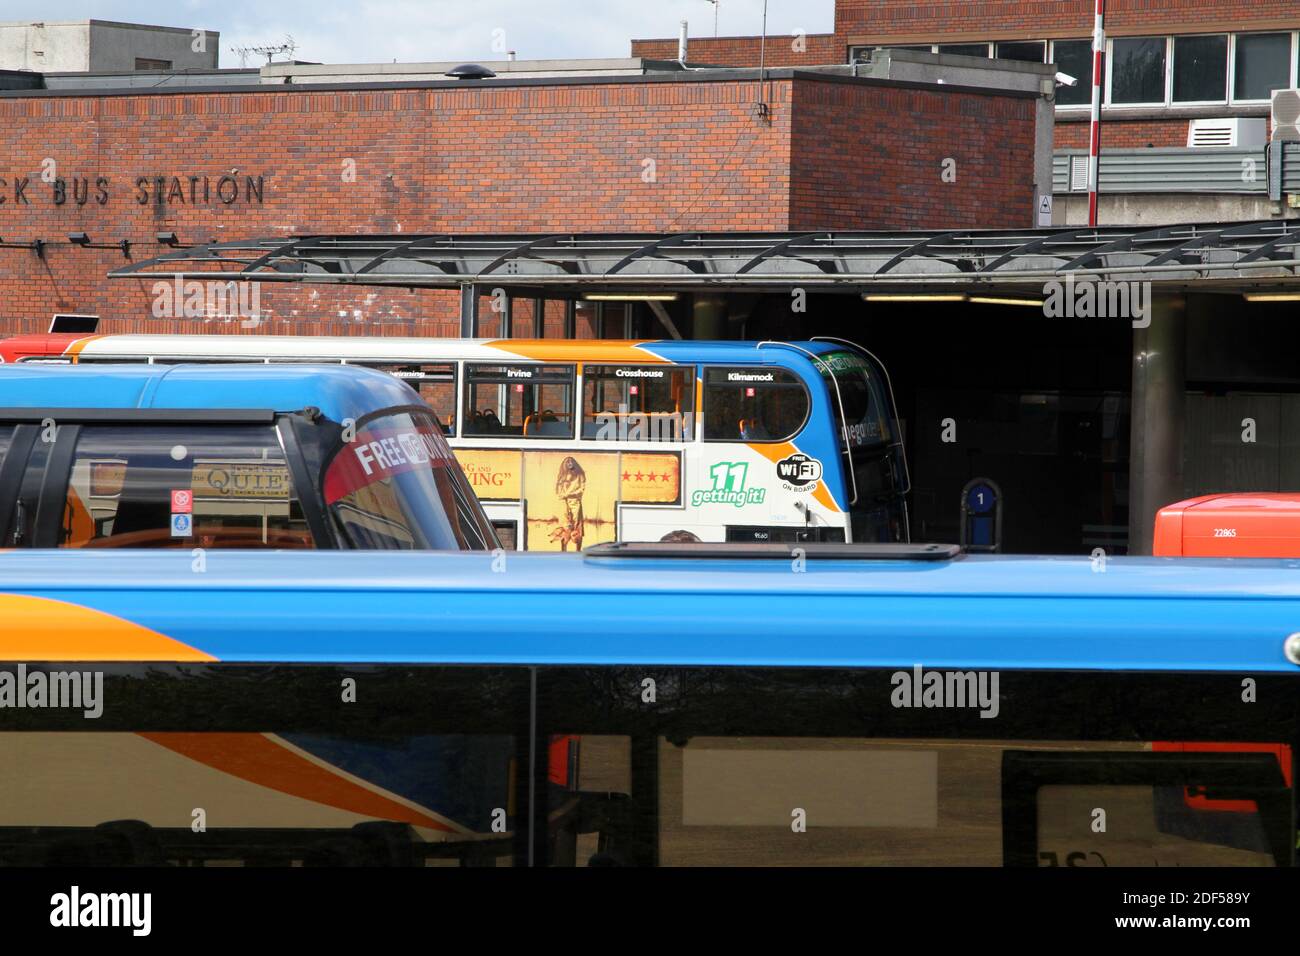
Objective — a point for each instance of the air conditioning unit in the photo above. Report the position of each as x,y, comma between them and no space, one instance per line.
1286,114
1230,131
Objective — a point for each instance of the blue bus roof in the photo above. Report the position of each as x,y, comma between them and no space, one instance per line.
1140,614
687,350
339,391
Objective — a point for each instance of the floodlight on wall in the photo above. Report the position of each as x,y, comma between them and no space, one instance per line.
83,240
167,238
36,245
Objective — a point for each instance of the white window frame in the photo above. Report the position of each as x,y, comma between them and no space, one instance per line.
988,47
1230,81
1173,65
1045,43
1110,64
1232,65
856,51
1083,80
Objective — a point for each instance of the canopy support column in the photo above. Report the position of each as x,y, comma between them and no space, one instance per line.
1159,404
468,310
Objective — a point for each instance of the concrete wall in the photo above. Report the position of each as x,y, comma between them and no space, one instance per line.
115,46
100,45
50,47
1165,209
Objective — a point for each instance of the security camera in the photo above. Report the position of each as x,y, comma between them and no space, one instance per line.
1065,79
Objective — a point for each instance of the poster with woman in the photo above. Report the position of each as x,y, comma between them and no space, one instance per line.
571,499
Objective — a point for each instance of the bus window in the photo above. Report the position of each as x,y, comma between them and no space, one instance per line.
396,486
219,486
524,401
426,774
638,403
436,385
849,377
725,780
753,404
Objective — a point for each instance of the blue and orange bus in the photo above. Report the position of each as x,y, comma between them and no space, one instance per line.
576,442
185,456
762,705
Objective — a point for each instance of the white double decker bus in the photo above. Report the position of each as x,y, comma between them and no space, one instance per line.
570,443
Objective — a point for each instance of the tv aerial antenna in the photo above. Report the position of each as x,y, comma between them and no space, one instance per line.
270,52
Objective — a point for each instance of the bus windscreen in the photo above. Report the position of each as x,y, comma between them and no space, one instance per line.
383,488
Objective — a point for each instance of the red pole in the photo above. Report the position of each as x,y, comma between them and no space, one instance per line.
1094,146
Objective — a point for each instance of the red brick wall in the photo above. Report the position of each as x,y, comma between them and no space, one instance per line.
1123,134
866,172
503,159
988,19
486,159
818,49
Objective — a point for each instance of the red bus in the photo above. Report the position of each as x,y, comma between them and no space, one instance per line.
1240,525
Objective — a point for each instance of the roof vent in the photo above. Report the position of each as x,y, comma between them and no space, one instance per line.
470,71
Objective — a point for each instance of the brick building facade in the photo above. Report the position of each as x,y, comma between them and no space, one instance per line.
1259,47
678,154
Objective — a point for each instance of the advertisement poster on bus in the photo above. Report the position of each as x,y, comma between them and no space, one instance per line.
571,500
493,473
650,478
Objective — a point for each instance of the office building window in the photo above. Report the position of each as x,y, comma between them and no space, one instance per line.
1200,69
1262,65
1028,52
1074,57
1137,70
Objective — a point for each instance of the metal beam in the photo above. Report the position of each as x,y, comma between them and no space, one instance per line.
709,263
647,250
468,310
662,314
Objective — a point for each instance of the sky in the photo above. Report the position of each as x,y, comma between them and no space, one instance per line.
381,31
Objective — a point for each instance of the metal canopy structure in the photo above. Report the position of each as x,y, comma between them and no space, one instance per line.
1242,256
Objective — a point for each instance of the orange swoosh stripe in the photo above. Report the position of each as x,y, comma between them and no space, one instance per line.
43,629
75,348
260,760
582,350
